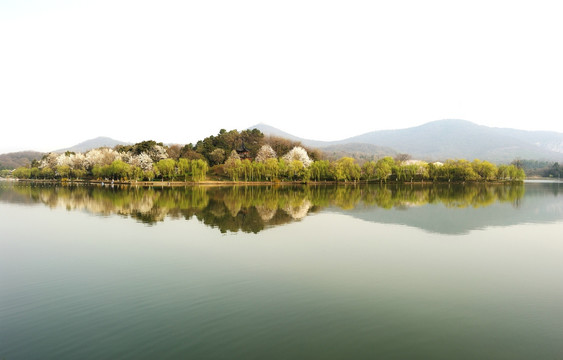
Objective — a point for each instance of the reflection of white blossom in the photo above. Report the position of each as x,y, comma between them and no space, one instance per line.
266,213
298,153
78,201
233,206
298,212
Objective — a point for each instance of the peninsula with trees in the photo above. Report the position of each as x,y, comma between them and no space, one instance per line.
251,156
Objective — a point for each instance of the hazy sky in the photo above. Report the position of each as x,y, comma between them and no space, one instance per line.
178,71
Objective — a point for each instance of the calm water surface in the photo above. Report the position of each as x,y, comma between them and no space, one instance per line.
395,272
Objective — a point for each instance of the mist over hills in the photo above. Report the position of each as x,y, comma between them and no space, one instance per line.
95,143
449,139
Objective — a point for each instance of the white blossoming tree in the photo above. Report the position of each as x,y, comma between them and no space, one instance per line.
266,152
78,161
64,160
143,160
49,161
158,153
127,157
101,157
298,153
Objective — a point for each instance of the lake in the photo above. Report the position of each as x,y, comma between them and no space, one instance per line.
288,272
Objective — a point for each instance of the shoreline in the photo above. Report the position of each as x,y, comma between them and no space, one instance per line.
210,183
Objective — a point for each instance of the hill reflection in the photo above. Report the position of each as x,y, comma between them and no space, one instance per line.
254,208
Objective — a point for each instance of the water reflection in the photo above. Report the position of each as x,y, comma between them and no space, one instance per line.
254,208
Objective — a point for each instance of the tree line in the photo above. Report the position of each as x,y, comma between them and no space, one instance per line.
384,170
250,156
546,169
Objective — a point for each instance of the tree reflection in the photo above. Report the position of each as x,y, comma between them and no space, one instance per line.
253,208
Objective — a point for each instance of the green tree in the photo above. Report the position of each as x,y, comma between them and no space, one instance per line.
247,170
368,170
188,152
515,173
484,169
22,173
233,167
399,171
320,170
383,168
136,172
435,171
336,172
47,173
295,169
97,171
259,169
199,169
271,169
78,173
144,147
120,170
35,173
465,171
149,175
184,168
282,168
460,170
217,156
63,171
347,169
167,168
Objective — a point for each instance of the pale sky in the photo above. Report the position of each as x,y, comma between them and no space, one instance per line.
178,71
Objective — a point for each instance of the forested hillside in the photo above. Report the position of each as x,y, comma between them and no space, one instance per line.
16,159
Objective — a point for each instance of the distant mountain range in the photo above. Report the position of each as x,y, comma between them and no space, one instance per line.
93,144
434,141
446,139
